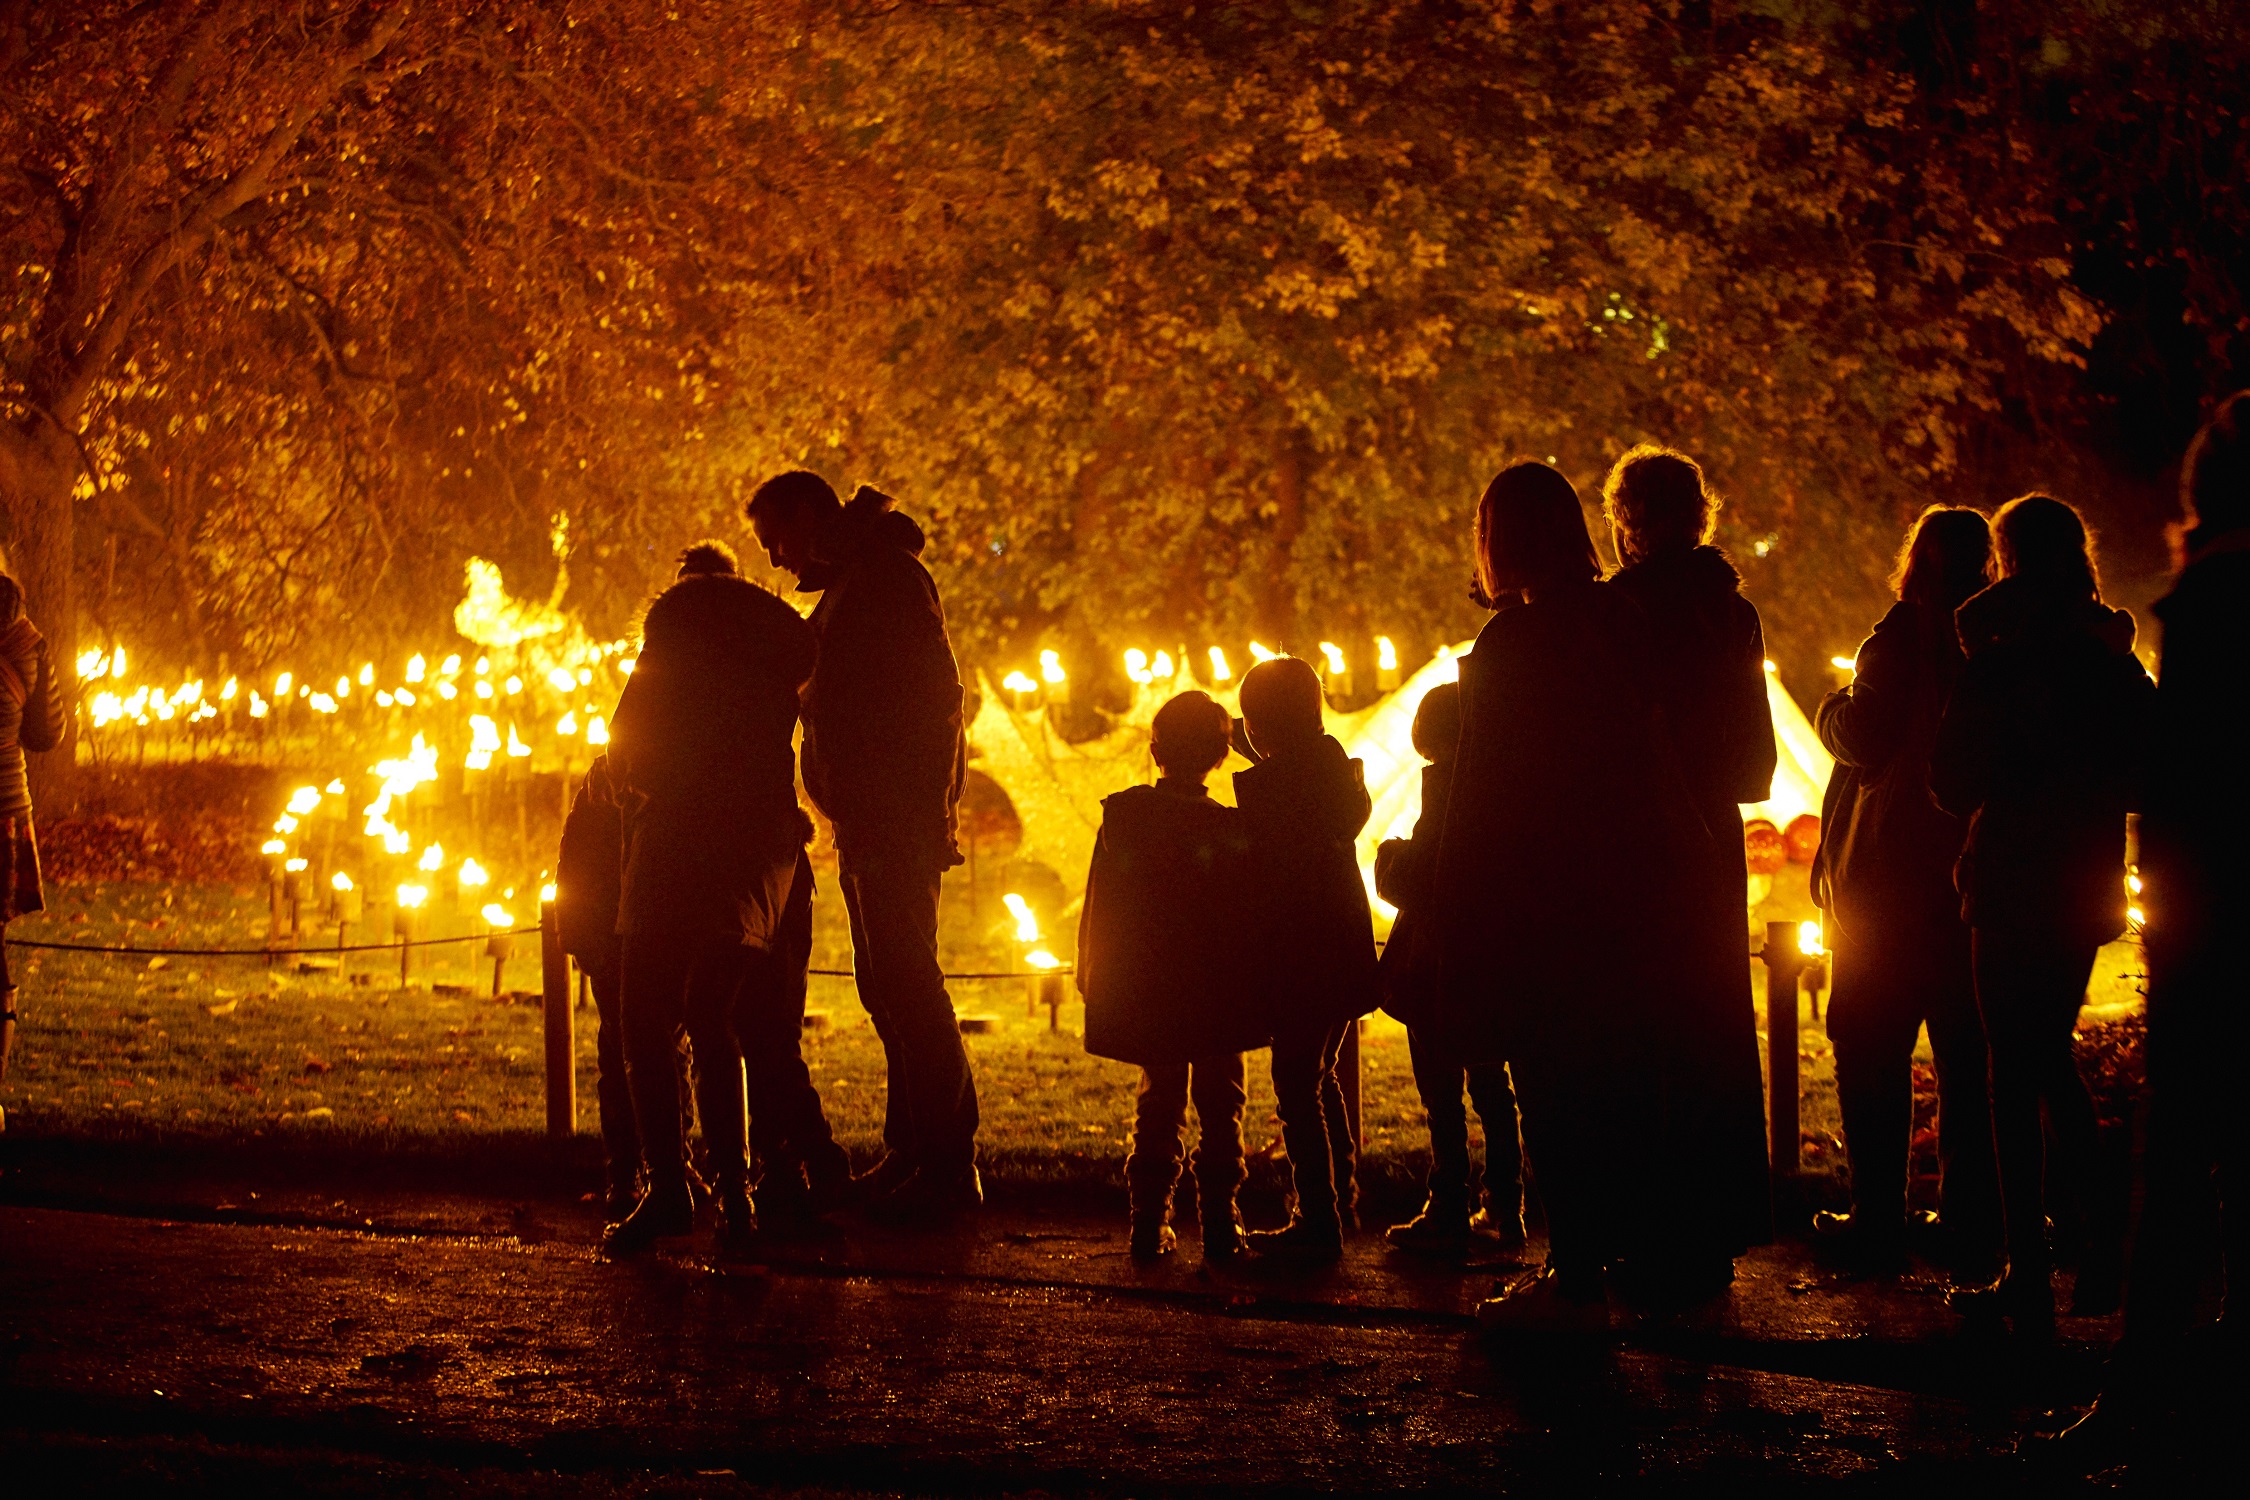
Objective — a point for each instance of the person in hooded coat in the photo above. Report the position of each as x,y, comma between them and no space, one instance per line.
2195,825
1568,880
1452,1220
2039,751
31,718
1166,973
1707,660
701,750
1885,878
1304,802
884,760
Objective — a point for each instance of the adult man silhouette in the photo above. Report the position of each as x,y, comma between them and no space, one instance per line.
883,759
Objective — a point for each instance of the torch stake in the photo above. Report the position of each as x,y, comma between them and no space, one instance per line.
560,1027
1784,963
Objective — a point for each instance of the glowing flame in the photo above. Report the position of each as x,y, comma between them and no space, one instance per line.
272,846
1260,653
448,691
1771,667
340,881
367,674
488,616
547,893
516,746
92,663
304,800
416,668
1136,664
2133,884
451,666
226,693
433,858
2136,916
1335,655
257,705
1027,924
1386,654
1016,682
1220,671
296,864
497,915
117,662
1161,668
597,732
1808,940
335,788
285,824
1840,663
281,685
411,896
1040,958
1050,666
567,724
472,873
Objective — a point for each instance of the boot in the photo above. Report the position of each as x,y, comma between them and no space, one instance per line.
1546,1303
929,1199
738,1223
1304,1240
667,1212
1507,1229
623,1195
1153,1239
828,1178
1441,1228
1223,1238
2025,1300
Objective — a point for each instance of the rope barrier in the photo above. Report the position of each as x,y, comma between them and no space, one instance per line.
477,937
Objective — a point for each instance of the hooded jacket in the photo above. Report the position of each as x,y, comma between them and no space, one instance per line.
884,754
1304,807
2040,751
1887,850
1707,663
700,748
589,873
1163,958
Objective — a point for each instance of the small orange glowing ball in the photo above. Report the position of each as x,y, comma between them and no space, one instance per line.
1764,846
1803,838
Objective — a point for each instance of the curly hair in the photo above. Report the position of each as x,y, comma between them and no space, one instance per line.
1656,500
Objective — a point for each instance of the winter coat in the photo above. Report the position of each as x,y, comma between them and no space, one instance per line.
590,873
2040,751
1887,851
701,747
1304,807
1707,666
31,711
31,718
1569,872
884,754
1406,877
1164,960
2195,818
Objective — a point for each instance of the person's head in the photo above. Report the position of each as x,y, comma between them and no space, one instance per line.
2043,541
708,558
1947,557
1657,503
2215,478
11,601
1531,532
1190,735
788,513
1437,723
1281,704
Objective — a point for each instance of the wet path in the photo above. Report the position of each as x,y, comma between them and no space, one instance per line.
975,1364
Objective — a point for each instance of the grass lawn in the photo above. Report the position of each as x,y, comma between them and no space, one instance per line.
231,1051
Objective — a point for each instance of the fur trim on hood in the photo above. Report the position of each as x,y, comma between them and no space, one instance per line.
871,520
2016,608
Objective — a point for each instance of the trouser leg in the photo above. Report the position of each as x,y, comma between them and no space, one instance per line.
931,1115
2029,1000
652,999
1874,1016
1492,1089
621,1137
788,1128
1152,1165
1563,1141
1219,1085
714,978
1304,1068
1969,1175
1438,1078
1343,1148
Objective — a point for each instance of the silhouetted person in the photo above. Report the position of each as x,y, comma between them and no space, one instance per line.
1164,966
884,760
2195,827
1894,920
1453,1219
701,749
1568,878
2038,751
1707,663
589,871
31,718
1305,802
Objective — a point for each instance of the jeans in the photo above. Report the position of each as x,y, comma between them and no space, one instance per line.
1888,986
2030,988
1315,1130
930,1115
673,984
1453,1185
1152,1168
789,1130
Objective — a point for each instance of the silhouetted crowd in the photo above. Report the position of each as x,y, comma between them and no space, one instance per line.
1569,954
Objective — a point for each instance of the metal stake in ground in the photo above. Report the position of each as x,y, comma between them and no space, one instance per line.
560,1025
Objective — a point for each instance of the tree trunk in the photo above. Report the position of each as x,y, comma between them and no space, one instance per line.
37,473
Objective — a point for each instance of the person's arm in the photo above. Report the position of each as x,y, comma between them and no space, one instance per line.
43,717
1863,725
889,698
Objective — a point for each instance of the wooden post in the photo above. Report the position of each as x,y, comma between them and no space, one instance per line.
1784,963
561,1027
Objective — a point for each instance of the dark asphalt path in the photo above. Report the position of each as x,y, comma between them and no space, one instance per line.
453,1350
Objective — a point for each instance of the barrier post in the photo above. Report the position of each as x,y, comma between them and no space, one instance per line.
561,1027
1785,962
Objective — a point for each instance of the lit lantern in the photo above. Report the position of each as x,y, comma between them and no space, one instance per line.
1162,668
1260,653
1386,664
1220,671
416,668
1339,673
1021,688
1136,666
1051,672
367,674
597,731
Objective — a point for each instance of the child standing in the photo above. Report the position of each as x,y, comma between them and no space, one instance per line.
1305,802
588,870
1158,946
1405,870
